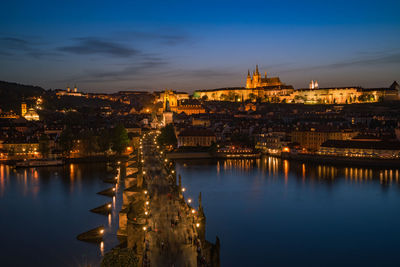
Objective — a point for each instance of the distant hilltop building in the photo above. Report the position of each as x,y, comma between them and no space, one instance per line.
313,84
256,80
28,114
70,92
179,102
271,89
257,87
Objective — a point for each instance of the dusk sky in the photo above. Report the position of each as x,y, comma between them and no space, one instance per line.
107,46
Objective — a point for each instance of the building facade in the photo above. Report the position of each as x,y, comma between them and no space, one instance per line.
363,149
312,139
196,137
271,89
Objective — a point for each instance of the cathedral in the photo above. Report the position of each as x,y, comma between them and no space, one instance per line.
271,89
256,80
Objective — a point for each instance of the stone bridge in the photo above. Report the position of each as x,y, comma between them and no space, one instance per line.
157,226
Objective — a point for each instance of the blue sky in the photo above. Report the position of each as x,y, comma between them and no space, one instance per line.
106,46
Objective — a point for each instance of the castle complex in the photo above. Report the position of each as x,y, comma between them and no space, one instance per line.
271,89
257,81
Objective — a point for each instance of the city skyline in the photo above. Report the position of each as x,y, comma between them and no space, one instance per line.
187,46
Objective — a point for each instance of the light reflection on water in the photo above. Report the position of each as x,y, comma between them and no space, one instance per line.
275,167
274,212
44,209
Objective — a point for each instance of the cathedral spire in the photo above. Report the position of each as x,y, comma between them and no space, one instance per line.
257,69
248,73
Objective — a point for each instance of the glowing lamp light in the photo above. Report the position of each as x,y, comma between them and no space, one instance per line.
183,189
189,201
146,213
144,172
109,205
166,160
144,228
286,149
102,231
193,211
197,225
173,171
145,192
119,162
147,203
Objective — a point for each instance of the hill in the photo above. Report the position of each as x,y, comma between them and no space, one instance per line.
11,94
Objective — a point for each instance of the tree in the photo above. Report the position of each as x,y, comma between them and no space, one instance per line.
44,145
120,139
167,136
66,141
89,142
231,96
104,141
223,97
204,98
252,97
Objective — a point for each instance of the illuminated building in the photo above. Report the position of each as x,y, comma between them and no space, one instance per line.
70,92
31,115
189,107
313,84
256,81
172,96
273,90
20,150
313,138
196,137
356,148
23,109
8,115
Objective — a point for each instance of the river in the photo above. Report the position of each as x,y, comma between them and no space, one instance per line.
266,212
272,212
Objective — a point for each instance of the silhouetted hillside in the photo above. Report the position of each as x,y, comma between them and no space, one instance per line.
11,94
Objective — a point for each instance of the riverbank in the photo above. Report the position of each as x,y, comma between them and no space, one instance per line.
209,155
344,161
89,159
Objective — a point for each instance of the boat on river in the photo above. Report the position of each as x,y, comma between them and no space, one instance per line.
38,163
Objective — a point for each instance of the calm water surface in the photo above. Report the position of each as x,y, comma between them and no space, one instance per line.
271,212
266,212
44,209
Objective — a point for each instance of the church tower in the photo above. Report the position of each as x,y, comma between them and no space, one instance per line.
248,80
256,78
23,109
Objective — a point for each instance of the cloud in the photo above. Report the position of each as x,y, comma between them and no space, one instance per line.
379,59
13,46
142,69
10,45
385,59
163,36
93,46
